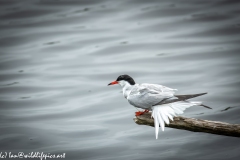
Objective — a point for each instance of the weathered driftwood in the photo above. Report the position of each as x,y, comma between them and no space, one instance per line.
195,125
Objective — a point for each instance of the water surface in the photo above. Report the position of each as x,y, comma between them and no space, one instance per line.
57,58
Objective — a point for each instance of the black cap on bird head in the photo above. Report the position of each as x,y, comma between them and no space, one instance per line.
127,78
124,77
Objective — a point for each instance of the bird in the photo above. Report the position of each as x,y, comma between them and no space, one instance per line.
159,99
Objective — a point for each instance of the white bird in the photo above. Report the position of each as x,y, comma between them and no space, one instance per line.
157,98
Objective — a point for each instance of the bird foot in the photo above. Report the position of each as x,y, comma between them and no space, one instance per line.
141,112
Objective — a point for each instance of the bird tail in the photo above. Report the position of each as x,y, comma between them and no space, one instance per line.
162,113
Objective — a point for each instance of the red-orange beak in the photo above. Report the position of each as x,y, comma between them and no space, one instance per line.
112,83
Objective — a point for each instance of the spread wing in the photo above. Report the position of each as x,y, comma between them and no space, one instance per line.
147,95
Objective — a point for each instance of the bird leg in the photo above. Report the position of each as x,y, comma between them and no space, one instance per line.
141,112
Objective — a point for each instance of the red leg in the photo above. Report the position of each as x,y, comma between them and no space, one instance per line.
141,112
146,111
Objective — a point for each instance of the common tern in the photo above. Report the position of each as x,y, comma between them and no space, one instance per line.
159,99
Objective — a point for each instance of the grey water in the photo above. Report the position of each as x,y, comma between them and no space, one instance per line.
57,57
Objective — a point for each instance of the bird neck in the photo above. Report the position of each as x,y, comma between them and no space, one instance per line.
126,87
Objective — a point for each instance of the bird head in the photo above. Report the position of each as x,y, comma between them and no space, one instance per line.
122,80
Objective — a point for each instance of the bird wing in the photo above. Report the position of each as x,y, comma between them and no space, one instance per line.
158,88
146,95
180,98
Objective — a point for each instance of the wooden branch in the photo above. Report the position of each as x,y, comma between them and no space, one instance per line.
195,125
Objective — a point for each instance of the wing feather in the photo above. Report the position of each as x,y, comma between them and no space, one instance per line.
162,124
158,88
156,124
147,95
162,113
